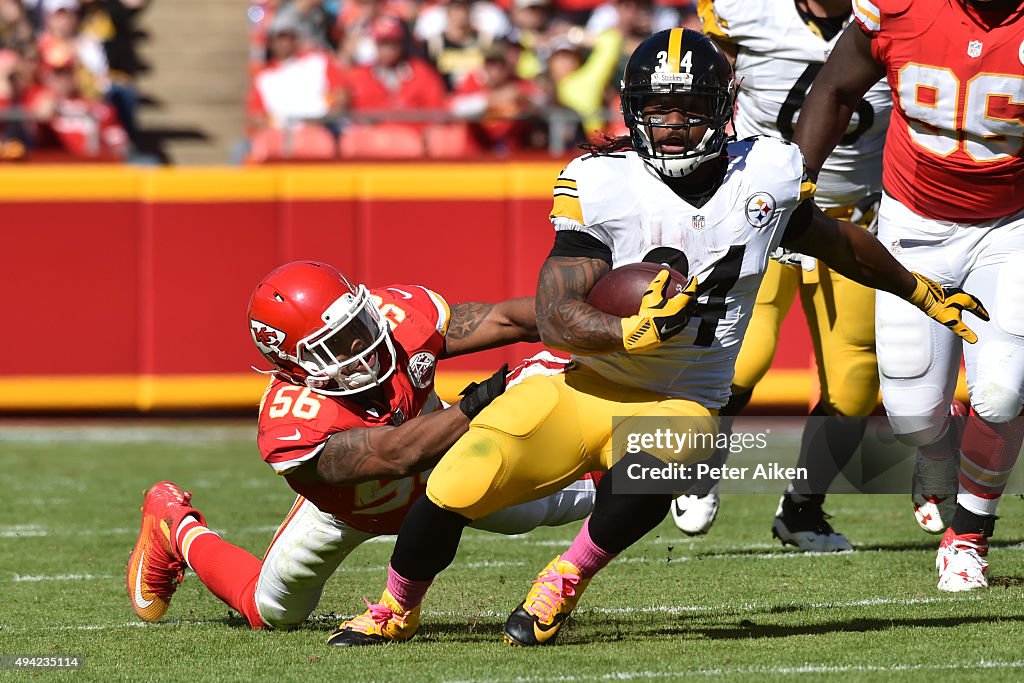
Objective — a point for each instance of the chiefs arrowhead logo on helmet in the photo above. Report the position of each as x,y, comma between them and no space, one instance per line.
268,338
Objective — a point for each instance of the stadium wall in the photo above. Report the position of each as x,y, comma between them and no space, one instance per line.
127,287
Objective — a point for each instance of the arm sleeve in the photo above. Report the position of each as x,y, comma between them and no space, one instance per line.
571,243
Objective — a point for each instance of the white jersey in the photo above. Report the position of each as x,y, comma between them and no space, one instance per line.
778,55
620,200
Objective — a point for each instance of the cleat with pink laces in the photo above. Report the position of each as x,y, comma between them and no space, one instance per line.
962,562
155,567
936,482
554,595
381,623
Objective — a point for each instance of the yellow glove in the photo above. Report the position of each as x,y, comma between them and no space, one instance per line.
946,305
659,318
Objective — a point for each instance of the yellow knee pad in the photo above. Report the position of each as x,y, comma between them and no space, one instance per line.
467,476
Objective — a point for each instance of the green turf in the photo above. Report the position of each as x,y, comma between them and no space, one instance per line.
730,606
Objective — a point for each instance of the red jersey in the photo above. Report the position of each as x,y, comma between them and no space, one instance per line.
953,150
295,422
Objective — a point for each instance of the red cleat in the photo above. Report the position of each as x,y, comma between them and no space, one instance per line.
156,568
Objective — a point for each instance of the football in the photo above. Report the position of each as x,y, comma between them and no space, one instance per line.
620,291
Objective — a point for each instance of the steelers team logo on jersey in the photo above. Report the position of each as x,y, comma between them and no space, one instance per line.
760,209
421,369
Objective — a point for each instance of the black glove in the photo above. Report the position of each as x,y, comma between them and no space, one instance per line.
478,396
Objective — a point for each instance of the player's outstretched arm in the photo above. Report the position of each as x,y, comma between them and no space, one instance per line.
849,72
564,318
479,326
385,452
854,252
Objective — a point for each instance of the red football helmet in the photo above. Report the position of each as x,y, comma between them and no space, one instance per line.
320,331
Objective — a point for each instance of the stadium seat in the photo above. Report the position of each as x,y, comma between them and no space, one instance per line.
450,141
305,143
382,141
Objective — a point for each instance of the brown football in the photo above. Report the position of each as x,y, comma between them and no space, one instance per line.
620,291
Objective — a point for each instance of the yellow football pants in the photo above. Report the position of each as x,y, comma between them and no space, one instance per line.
548,431
841,317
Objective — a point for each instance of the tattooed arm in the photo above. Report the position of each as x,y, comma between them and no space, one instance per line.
564,318
384,452
477,326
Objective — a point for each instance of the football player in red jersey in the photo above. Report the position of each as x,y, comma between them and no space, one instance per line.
952,209
352,421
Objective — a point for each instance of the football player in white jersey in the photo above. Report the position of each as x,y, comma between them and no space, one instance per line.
778,47
672,191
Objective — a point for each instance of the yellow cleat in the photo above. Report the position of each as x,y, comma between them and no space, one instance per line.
549,603
381,623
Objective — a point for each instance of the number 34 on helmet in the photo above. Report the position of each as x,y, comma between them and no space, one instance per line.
678,69
319,330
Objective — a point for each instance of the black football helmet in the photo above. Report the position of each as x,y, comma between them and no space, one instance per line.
678,61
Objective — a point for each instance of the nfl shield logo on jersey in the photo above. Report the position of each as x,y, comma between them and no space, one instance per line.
698,223
760,209
974,49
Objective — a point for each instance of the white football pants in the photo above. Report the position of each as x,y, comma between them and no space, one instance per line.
918,359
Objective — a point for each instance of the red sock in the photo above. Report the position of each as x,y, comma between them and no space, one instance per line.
586,555
407,593
988,453
228,571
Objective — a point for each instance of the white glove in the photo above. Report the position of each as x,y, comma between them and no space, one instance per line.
865,212
792,258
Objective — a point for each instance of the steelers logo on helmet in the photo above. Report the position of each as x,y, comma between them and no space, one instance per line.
677,100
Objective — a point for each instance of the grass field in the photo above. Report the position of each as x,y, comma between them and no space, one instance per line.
731,606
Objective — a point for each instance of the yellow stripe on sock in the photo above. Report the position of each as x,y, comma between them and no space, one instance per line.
191,535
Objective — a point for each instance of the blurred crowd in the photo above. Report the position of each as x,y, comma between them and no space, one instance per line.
65,81
440,78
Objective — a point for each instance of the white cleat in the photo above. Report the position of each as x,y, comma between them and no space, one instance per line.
935,487
932,512
694,515
805,525
962,562
936,482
